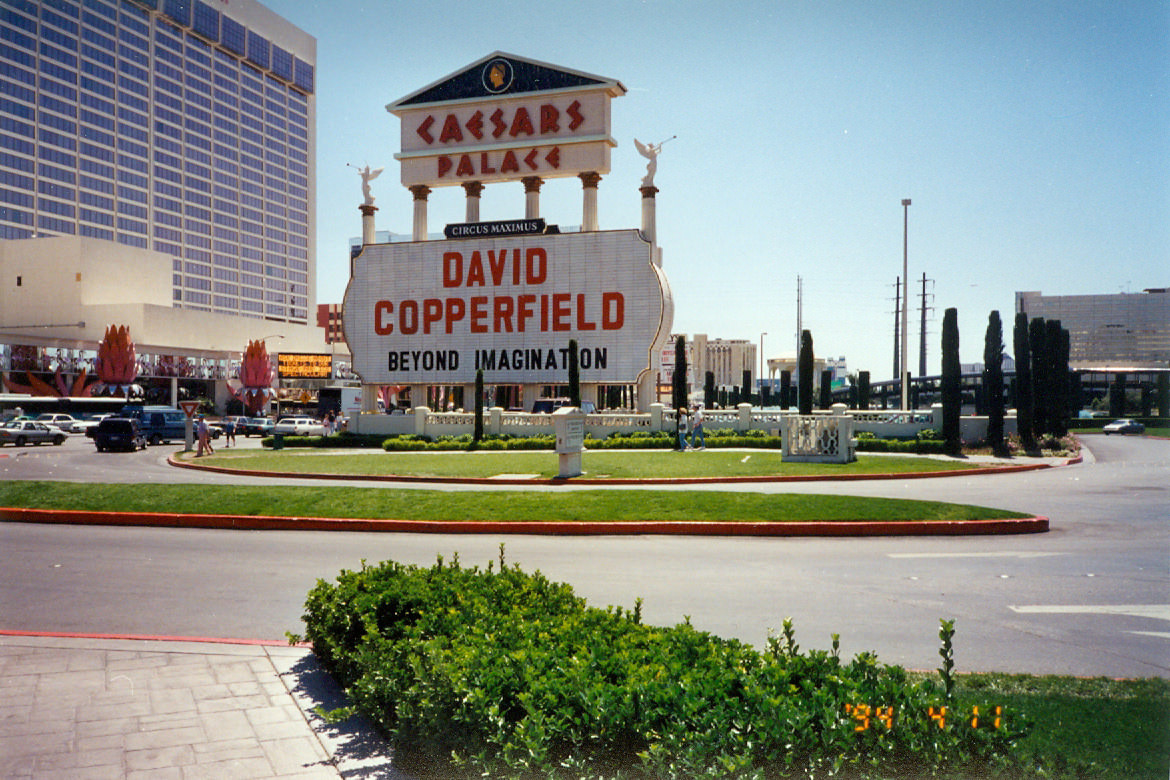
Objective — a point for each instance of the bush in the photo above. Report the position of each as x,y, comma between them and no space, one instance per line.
501,673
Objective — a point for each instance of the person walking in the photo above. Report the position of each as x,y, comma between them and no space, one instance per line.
698,438
203,435
682,429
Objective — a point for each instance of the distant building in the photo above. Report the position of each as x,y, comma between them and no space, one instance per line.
1108,332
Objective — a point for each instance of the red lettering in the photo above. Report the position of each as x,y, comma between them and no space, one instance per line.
516,266
613,311
499,126
479,314
432,313
502,309
521,123
562,313
549,117
475,125
544,313
530,159
451,130
475,270
483,164
444,166
582,323
553,158
525,310
382,325
424,129
510,163
465,167
456,309
535,265
408,318
497,260
574,112
452,269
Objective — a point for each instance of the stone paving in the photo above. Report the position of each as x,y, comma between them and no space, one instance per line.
113,708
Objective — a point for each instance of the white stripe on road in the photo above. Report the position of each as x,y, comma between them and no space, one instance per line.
976,555
1156,611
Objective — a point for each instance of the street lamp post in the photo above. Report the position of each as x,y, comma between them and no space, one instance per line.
762,367
902,377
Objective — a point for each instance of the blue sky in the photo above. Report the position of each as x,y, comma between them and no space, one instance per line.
1033,139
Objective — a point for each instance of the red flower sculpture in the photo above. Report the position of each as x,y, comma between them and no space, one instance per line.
117,362
256,377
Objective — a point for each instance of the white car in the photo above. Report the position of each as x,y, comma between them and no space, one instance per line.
22,432
65,422
298,426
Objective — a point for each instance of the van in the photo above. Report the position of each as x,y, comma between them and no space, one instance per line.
159,424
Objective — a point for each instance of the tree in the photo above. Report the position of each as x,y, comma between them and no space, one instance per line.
1025,401
747,386
993,381
826,399
1041,379
785,389
804,388
477,434
709,390
574,375
1057,379
678,383
863,390
952,388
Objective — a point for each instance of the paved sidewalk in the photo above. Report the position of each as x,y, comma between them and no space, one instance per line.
115,708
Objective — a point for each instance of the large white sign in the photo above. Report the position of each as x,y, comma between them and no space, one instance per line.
433,312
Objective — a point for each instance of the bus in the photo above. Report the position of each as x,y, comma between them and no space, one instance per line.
13,404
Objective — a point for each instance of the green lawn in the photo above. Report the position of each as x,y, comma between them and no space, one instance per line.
1096,728
627,464
497,506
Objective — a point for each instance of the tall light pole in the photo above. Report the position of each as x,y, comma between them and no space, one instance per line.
762,368
905,309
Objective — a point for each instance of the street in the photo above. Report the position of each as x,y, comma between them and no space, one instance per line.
1091,597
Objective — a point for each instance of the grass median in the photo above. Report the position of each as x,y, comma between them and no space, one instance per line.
603,464
491,506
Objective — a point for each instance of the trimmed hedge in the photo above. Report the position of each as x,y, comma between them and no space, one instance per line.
502,673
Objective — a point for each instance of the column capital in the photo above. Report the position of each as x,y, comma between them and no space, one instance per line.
473,188
589,179
367,209
420,191
648,191
532,183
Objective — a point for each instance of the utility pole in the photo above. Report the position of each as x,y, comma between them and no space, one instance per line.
897,320
904,375
922,328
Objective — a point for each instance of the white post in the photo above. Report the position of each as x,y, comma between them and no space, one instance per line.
473,190
589,182
532,186
420,192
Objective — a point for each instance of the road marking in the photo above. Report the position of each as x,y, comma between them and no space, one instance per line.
1155,611
976,555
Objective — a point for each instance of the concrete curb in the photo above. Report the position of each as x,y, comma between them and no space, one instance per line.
1008,469
1026,525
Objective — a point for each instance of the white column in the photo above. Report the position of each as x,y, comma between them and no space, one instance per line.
473,190
532,196
649,214
589,182
420,192
367,211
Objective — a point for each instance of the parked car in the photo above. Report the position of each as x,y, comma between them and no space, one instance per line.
119,433
22,432
1124,426
298,426
158,423
65,422
254,426
550,405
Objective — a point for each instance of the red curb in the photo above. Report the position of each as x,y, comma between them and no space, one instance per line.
147,637
184,464
256,523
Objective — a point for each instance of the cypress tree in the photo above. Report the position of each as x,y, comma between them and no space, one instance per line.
574,375
1041,379
1057,378
826,388
1025,402
863,390
952,389
785,389
678,384
1164,395
477,434
709,390
993,381
804,388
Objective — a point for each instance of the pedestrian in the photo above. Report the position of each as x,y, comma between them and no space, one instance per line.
682,429
229,432
203,434
697,429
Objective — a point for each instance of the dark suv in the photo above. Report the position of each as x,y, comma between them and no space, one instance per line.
119,433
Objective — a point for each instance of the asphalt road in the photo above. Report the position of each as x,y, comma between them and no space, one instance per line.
1091,597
